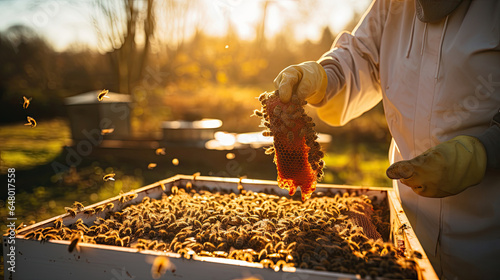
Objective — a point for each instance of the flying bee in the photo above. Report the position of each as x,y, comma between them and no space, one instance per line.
152,165
175,161
102,94
269,151
105,131
31,122
26,102
110,176
160,151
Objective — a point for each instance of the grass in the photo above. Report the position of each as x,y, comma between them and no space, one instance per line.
24,147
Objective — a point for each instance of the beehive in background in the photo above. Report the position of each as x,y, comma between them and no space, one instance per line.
89,116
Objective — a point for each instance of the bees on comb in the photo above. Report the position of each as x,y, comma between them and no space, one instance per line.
297,154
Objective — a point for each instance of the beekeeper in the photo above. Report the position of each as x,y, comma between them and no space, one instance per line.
436,66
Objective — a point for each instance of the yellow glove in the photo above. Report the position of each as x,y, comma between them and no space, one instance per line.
309,78
444,170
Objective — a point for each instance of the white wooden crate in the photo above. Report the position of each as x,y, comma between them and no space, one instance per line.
51,259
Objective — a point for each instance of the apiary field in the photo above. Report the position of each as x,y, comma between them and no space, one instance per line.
190,227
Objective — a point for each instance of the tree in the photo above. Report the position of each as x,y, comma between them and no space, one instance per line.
125,29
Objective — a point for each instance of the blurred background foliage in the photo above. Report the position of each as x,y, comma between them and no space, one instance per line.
143,50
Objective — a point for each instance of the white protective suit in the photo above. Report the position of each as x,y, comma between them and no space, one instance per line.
437,81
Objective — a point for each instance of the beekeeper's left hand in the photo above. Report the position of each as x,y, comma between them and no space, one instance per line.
444,170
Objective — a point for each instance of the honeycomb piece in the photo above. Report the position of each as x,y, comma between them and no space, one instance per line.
297,154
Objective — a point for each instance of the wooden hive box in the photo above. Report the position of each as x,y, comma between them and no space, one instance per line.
51,259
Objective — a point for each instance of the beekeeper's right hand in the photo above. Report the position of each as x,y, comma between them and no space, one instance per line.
308,77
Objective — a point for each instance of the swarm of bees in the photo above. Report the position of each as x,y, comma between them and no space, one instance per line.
298,155
275,231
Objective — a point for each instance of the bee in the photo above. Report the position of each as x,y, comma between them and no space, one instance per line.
110,206
222,246
110,176
162,246
267,263
186,253
89,212
31,122
189,185
402,227
267,133
163,187
105,131
74,242
280,264
152,245
197,174
289,136
277,110
416,254
175,161
208,254
207,246
219,254
110,239
262,254
257,113
58,223
102,94
30,235
26,102
70,211
152,165
160,151
174,190
269,151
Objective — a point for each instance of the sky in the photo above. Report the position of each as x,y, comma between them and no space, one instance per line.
63,22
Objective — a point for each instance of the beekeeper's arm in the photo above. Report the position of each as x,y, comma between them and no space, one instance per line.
344,83
452,166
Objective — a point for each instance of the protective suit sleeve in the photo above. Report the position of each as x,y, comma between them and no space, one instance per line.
352,68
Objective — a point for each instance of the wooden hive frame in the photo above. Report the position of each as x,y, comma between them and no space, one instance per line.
51,259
